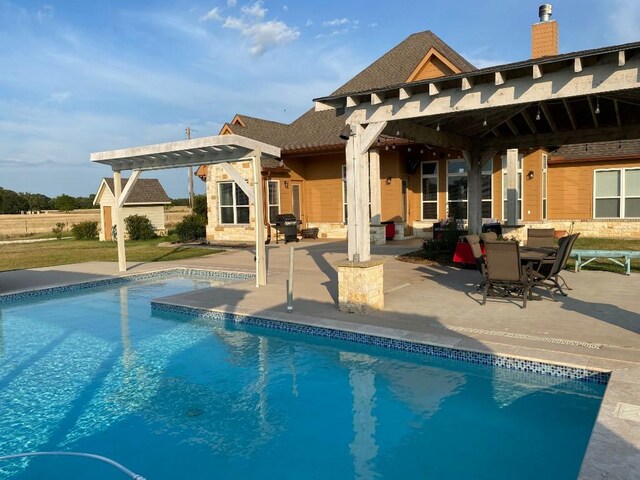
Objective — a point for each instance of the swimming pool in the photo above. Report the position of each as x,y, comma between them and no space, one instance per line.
170,395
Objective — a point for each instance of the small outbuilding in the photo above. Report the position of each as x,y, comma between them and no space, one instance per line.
147,198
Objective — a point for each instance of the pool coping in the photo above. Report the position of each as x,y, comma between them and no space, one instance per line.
604,455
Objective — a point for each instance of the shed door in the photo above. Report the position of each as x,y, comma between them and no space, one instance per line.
106,228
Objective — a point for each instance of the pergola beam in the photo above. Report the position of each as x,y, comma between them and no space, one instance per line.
547,115
431,136
572,119
128,187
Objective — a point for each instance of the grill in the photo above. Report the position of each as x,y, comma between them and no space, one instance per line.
287,225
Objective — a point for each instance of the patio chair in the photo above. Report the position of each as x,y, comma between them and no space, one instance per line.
506,277
548,274
474,243
541,237
489,236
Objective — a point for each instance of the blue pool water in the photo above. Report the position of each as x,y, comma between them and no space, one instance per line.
175,397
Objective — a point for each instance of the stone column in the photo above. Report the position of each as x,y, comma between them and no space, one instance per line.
360,286
512,186
474,194
374,186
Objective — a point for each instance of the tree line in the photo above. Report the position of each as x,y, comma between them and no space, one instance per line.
18,202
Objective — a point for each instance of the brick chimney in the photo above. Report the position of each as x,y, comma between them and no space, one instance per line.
544,35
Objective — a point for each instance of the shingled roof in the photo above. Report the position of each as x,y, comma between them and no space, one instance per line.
597,151
145,190
319,130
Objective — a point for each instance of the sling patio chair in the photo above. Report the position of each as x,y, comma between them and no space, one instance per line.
506,277
541,237
489,236
548,273
474,243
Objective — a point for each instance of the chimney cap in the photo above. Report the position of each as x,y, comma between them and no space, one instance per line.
545,11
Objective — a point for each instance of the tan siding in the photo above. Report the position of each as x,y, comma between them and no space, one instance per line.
154,213
432,69
570,188
496,193
391,195
532,189
323,188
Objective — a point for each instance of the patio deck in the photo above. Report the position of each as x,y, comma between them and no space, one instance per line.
597,326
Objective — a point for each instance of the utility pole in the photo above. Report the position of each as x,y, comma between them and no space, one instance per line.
188,132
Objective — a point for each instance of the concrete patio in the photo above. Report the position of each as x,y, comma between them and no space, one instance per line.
597,326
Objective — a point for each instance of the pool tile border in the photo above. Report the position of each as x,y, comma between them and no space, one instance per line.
489,359
191,272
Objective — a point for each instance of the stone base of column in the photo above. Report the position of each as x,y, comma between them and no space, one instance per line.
360,286
377,235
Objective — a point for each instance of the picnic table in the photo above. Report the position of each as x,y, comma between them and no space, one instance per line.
584,257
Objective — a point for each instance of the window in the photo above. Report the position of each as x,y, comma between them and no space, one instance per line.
545,166
273,199
234,204
617,193
429,175
518,187
457,188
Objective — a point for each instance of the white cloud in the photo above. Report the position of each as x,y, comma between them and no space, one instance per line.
625,18
285,8
263,35
255,10
309,23
213,14
373,25
44,13
231,3
336,22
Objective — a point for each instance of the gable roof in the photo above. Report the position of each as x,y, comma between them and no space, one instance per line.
319,130
145,190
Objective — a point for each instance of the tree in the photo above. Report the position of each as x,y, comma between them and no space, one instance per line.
64,203
200,205
11,202
36,201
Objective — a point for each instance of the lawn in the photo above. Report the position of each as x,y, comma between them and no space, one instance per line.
20,256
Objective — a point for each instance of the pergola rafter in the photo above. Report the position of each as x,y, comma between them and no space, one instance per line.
218,149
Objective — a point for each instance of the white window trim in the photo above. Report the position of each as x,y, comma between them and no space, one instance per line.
269,204
622,197
503,172
466,174
437,177
544,187
344,194
235,206
490,199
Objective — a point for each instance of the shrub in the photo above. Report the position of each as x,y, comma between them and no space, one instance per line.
58,230
200,205
192,227
85,230
139,227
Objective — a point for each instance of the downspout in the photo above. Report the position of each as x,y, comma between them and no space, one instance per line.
265,199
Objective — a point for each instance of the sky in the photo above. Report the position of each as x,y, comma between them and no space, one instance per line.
81,76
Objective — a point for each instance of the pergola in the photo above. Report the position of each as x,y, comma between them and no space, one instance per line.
582,97
219,149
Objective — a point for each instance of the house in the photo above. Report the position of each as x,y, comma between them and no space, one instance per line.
147,198
593,189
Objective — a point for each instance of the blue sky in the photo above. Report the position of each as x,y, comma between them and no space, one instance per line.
80,76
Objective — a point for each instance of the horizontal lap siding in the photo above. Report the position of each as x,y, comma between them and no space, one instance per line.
154,213
571,187
391,195
323,188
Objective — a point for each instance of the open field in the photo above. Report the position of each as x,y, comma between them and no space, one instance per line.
40,224
62,252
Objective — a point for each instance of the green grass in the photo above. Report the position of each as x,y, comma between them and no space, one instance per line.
61,252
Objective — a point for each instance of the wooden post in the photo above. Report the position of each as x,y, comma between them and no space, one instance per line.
512,186
261,265
359,248
474,195
117,187
374,186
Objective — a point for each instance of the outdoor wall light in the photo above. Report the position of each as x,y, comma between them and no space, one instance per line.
345,133
388,181
530,175
286,184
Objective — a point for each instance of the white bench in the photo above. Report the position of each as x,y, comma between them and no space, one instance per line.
584,257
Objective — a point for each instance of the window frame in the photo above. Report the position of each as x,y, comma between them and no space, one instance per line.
458,175
234,205
519,172
269,204
435,175
545,186
622,197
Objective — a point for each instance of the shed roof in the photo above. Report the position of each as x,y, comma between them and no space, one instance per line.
145,190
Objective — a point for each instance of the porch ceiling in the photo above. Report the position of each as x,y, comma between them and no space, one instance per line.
185,153
582,97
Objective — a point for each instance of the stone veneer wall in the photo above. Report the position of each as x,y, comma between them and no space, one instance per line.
227,233
329,230
621,228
